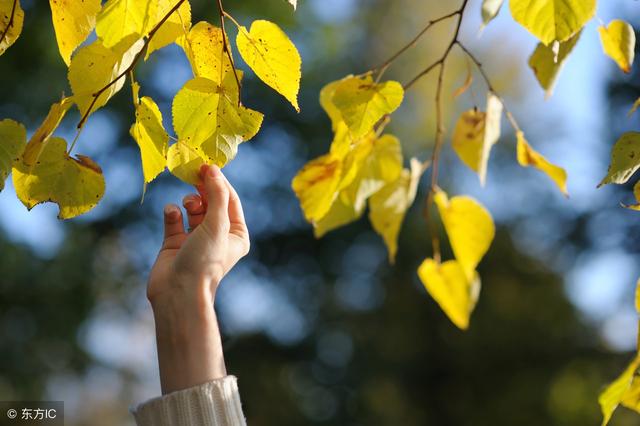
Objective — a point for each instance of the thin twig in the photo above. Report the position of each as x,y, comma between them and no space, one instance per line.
490,86
13,13
383,67
225,48
142,51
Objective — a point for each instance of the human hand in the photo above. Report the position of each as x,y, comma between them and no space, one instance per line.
184,279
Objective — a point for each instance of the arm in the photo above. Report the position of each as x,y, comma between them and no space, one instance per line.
182,288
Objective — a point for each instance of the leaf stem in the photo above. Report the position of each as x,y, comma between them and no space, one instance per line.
10,23
225,47
142,51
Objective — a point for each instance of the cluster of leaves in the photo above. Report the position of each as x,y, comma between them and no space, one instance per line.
209,119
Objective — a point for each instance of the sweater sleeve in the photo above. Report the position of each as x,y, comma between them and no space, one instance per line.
216,403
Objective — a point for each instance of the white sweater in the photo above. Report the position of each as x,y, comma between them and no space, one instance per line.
216,403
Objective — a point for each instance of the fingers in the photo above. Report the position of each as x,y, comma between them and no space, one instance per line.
216,198
173,226
195,210
236,214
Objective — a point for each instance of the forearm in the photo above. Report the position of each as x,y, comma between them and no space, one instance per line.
188,339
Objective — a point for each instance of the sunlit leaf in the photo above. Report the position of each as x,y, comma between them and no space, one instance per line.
13,32
175,26
469,227
95,66
450,287
528,157
73,21
619,43
316,186
151,138
195,108
388,206
51,122
475,134
204,49
634,108
75,184
616,391
553,20
273,57
547,64
184,162
120,19
625,159
362,102
341,213
13,139
636,193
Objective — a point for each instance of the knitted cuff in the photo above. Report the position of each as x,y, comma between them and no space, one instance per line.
216,403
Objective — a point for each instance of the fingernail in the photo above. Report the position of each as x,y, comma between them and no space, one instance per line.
170,210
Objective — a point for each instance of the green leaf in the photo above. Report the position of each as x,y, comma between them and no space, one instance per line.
273,57
362,102
75,184
553,20
13,139
547,64
625,159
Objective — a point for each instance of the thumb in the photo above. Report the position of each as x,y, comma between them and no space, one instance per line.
217,198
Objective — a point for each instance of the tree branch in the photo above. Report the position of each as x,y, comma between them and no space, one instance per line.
13,13
225,49
142,51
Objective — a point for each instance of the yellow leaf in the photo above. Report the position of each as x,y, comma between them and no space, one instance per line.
475,134
469,227
195,109
636,193
615,392
553,20
625,159
185,162
362,102
634,108
316,186
11,33
273,57
490,9
13,139
120,19
387,207
94,66
341,213
449,286
547,64
209,121
175,26
204,49
151,138
528,157
326,101
638,296
48,126
73,21
619,43
371,165
631,398
75,184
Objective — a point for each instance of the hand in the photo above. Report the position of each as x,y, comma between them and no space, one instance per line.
184,280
